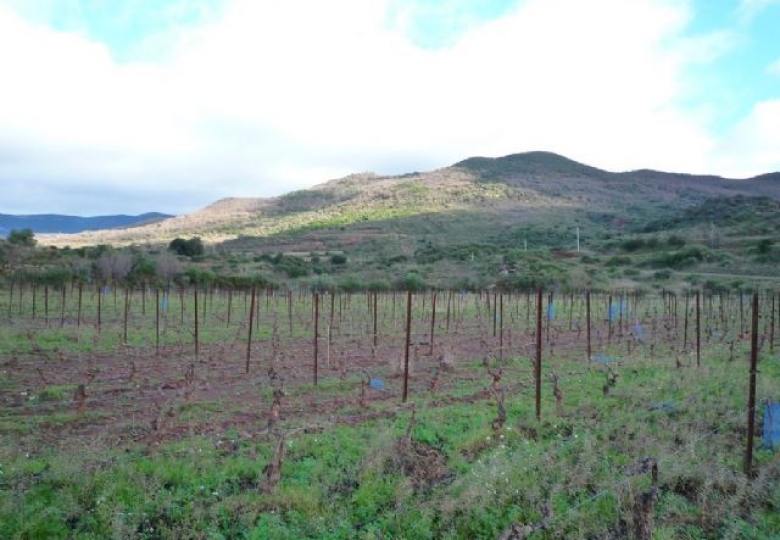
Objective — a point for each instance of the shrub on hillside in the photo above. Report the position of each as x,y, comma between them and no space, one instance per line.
187,248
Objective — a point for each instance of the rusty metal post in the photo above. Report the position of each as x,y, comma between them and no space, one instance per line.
538,363
408,338
698,329
157,323
751,419
197,345
501,326
587,322
316,333
374,306
772,325
251,326
433,323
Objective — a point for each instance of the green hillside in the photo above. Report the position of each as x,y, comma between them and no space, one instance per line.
485,221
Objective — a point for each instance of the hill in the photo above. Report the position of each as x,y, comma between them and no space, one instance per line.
56,223
472,223
511,190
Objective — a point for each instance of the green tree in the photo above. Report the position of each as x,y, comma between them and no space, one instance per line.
338,259
188,248
22,237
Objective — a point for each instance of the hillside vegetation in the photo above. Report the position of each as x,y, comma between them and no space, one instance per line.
466,226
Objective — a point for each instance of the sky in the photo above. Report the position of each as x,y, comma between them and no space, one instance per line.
168,105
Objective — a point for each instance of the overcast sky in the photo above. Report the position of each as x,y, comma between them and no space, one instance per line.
167,105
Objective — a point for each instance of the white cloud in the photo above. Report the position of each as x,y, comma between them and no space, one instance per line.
752,145
774,68
749,9
273,96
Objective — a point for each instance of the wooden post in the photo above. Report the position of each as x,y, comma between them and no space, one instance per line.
197,347
772,325
751,420
587,322
157,322
316,333
230,305
126,315
10,299
433,323
501,326
495,311
330,318
406,350
289,310
538,364
78,317
251,326
698,329
181,305
547,316
99,313
685,323
374,306
449,303
62,308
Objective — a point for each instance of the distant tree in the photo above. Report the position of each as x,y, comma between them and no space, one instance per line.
115,265
411,281
22,237
80,268
167,266
338,259
187,248
143,270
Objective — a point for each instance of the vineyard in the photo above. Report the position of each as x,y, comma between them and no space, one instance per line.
220,413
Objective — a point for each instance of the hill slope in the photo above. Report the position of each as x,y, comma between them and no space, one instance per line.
469,201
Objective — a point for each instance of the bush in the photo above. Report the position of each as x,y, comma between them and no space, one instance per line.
187,248
338,259
351,284
714,286
678,259
22,237
662,275
632,244
379,285
618,260
294,267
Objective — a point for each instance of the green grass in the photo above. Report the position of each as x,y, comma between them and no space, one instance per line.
344,482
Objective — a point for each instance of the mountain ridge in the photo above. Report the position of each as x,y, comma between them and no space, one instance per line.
508,190
62,223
